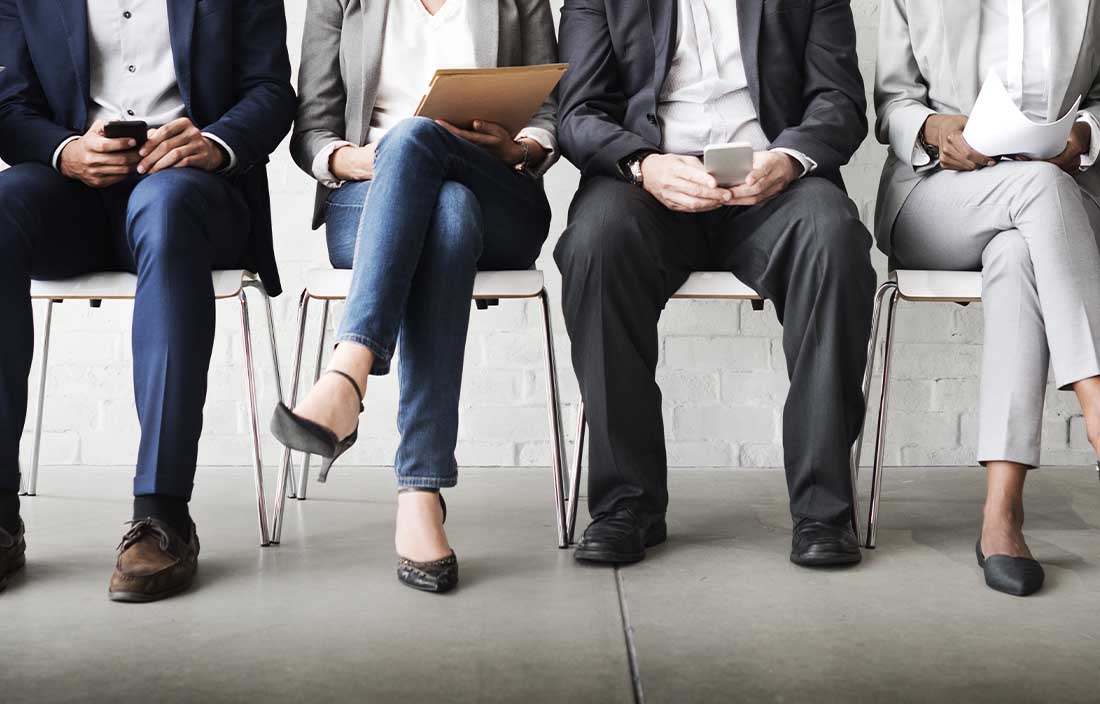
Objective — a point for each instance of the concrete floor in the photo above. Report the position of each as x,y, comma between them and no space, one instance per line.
718,614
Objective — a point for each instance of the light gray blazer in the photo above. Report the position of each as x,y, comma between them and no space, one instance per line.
928,63
342,56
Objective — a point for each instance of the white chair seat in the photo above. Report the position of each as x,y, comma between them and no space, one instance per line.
334,284
939,286
122,286
716,284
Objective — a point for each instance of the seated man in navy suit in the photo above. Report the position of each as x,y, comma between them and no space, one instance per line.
211,78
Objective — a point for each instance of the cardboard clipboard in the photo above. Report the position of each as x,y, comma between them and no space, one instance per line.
509,96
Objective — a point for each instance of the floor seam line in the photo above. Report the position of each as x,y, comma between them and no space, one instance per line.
628,638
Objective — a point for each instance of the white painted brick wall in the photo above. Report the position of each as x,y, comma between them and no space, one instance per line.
721,367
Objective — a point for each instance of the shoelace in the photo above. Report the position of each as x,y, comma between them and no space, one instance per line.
139,529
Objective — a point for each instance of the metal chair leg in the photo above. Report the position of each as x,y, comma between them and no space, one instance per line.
869,372
286,468
31,485
554,408
890,291
270,318
257,458
575,475
303,480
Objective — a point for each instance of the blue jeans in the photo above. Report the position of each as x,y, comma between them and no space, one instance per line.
170,228
438,210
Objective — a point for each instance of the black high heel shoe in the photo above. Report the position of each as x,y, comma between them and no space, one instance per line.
437,576
1018,576
304,435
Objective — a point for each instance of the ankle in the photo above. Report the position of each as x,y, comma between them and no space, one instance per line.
171,510
9,512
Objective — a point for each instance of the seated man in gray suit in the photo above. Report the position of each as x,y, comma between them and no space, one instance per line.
651,85
1031,227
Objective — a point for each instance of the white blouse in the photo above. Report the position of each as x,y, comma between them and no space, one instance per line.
417,43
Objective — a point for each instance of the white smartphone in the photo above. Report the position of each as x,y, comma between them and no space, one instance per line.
730,164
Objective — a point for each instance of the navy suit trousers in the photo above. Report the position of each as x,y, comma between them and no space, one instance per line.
172,229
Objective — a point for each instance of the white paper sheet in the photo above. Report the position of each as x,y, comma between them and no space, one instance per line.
998,128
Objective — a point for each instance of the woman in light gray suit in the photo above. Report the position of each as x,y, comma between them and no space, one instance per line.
1030,226
416,208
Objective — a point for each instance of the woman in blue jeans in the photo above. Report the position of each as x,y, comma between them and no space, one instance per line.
415,208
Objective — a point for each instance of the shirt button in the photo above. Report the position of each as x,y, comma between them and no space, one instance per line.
130,113
127,14
652,118
131,68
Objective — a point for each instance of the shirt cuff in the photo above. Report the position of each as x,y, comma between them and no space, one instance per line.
57,153
228,150
545,140
808,164
322,168
1087,160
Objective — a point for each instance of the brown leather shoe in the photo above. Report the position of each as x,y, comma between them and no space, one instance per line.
13,549
153,563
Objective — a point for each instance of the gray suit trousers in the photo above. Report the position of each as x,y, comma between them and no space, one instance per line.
1032,231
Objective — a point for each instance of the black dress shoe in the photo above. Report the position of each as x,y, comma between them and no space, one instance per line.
821,544
1018,576
621,537
13,549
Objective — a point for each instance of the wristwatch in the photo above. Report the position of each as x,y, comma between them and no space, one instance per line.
631,167
930,149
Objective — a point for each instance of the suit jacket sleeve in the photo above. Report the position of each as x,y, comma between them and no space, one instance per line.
261,118
901,94
834,122
322,97
592,104
27,134
540,46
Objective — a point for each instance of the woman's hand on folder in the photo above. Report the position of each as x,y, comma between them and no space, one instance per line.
497,141
352,163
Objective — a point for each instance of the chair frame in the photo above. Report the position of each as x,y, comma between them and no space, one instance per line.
248,281
886,298
553,402
757,302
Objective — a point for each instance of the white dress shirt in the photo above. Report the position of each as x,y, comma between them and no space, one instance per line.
1015,41
133,76
415,45
705,99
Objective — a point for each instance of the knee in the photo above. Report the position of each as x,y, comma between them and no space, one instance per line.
1043,180
413,135
24,193
457,224
166,197
835,239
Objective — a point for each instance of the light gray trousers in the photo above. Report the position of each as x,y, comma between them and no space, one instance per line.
1033,233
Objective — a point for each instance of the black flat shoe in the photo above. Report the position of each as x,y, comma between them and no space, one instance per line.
437,576
1018,576
620,537
304,435
821,544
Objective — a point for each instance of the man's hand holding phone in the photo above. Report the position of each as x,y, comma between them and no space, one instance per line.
98,161
680,183
179,144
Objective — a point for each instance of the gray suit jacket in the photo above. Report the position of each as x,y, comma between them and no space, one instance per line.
928,64
342,55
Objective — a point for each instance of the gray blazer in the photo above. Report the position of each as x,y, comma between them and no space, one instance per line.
928,63
342,55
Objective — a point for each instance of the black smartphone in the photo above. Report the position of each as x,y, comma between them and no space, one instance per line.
136,130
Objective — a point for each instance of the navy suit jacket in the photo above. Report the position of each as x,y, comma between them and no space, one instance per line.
233,73
800,61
